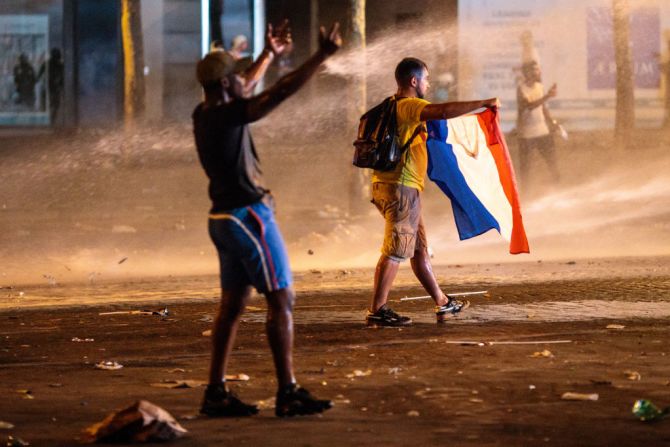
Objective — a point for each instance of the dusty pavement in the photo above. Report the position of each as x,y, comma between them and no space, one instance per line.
414,386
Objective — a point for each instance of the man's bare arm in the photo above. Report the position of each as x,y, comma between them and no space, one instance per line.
449,110
530,105
261,105
257,70
275,43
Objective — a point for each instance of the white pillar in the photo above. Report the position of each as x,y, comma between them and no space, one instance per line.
258,26
204,26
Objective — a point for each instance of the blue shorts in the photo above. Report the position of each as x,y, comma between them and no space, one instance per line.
251,249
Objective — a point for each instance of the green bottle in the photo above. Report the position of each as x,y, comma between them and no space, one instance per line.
647,411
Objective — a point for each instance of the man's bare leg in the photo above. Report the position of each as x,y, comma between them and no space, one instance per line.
379,313
423,270
291,399
445,307
385,273
279,327
227,320
218,400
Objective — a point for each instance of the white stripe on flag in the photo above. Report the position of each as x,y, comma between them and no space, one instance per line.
480,171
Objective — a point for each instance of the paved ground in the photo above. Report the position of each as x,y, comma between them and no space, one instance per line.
96,216
473,382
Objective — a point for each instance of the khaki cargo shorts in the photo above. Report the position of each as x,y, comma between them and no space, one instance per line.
401,207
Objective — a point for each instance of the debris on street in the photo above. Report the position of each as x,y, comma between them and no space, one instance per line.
241,377
171,384
633,375
266,404
359,373
465,343
450,295
505,342
579,396
108,365
140,422
27,394
16,442
646,411
161,313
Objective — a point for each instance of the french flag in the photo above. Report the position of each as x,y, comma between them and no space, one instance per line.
469,161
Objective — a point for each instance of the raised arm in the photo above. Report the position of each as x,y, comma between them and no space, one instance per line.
530,105
449,110
261,105
275,43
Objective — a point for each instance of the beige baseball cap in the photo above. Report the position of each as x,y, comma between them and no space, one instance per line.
219,64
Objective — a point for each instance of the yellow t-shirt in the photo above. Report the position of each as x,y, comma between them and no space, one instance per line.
411,171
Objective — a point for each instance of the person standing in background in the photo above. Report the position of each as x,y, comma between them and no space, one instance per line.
238,47
25,81
55,73
534,122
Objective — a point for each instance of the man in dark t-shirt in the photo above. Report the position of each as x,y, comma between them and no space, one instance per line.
241,221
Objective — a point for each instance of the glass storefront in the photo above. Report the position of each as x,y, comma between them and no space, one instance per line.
62,65
32,66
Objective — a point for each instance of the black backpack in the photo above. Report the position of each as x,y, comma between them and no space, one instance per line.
378,146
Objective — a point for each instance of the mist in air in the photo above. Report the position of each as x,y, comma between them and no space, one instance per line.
101,205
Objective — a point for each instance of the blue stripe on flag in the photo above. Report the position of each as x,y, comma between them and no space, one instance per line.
472,218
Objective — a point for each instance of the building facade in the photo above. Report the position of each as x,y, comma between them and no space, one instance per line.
61,61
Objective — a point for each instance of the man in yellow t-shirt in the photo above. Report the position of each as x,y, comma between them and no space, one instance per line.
396,194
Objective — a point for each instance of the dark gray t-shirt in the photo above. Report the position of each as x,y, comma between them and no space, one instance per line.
227,154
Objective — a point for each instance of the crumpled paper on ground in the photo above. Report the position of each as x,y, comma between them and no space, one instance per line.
141,422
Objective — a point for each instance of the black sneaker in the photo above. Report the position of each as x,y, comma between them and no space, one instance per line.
219,402
385,316
294,400
452,307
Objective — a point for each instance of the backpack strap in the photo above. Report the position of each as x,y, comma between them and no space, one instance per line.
417,130
416,133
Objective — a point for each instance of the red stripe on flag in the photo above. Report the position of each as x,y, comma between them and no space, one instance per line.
488,121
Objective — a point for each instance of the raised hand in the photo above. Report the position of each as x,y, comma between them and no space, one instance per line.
552,91
277,40
331,41
492,103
